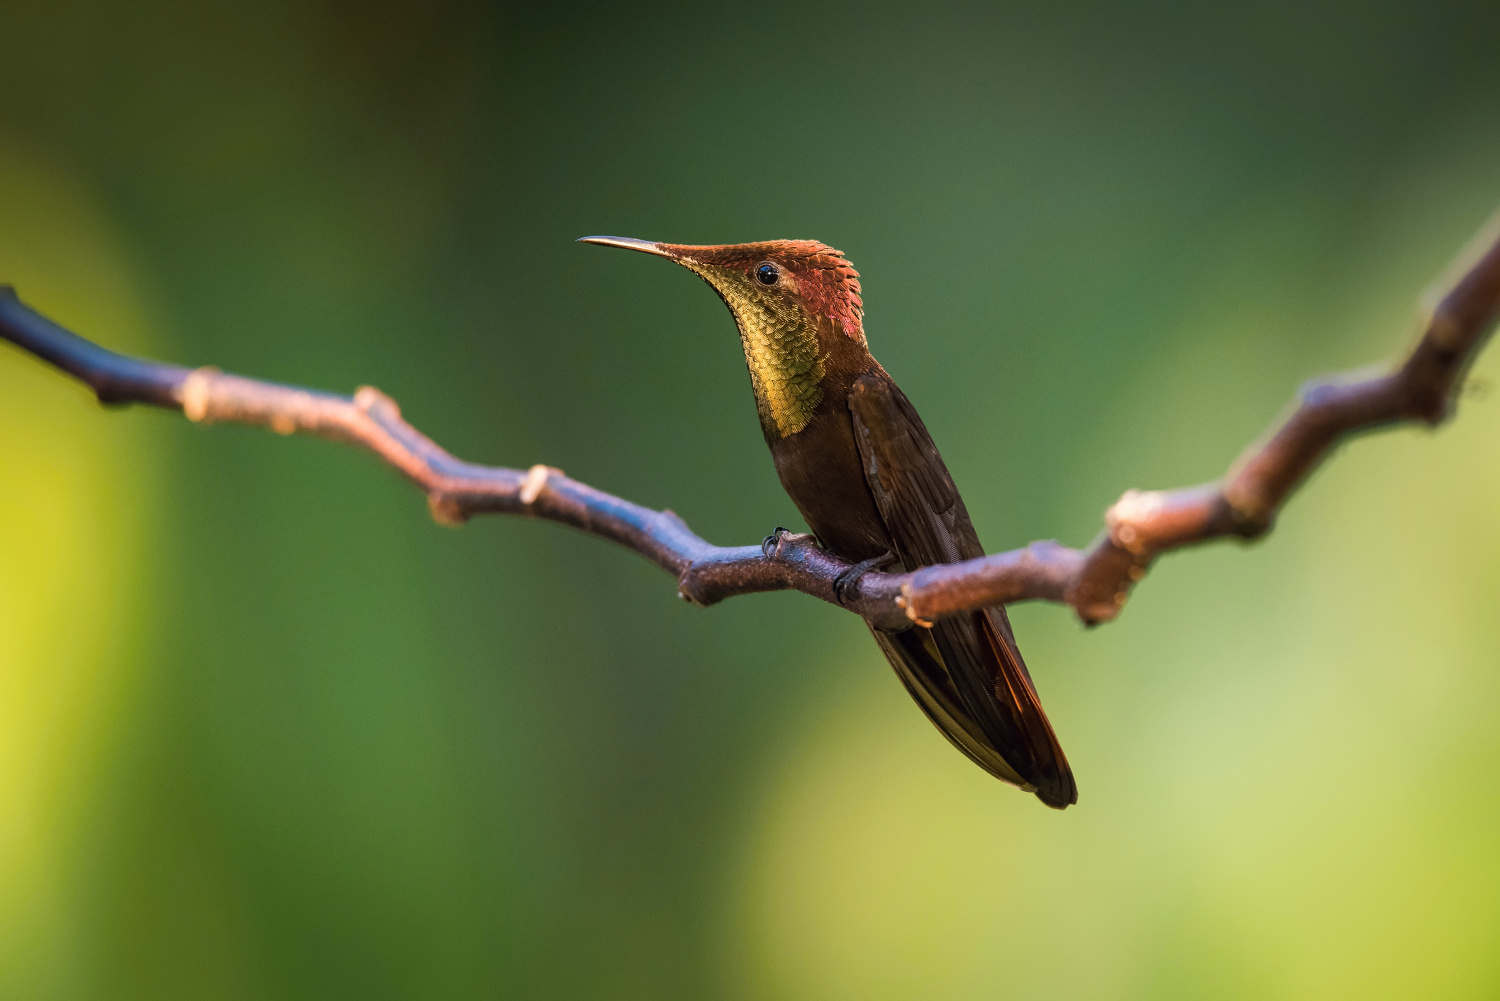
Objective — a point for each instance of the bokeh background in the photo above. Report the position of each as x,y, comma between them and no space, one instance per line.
266,731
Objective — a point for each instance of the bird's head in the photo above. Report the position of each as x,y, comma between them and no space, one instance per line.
795,302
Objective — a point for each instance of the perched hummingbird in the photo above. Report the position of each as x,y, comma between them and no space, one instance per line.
857,461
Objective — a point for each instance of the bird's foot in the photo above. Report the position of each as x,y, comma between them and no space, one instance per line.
843,584
770,546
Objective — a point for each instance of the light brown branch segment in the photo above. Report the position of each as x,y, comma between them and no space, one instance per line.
1139,527
1143,525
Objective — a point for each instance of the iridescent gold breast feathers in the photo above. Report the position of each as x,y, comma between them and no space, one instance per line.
781,349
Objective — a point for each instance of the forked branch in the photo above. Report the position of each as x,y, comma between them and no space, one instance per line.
1139,527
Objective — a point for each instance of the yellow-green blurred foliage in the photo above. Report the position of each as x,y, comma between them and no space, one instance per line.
75,496
268,732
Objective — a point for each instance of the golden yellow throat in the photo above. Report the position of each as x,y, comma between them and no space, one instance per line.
781,349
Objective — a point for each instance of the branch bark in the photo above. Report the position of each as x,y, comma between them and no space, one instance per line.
1096,581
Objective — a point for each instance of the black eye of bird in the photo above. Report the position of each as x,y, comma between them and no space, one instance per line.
767,274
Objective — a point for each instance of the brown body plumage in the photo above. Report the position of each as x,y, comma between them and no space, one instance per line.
860,466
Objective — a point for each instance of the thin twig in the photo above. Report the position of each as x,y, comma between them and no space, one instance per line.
1139,527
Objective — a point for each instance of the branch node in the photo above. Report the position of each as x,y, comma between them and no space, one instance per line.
446,511
1129,519
1447,332
1250,515
694,589
197,393
535,483
784,537
371,400
904,602
770,546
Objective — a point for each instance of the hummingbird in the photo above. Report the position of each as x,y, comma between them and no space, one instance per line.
860,467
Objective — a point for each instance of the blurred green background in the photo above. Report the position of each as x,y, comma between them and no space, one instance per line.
266,731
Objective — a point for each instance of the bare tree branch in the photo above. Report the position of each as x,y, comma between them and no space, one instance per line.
1139,527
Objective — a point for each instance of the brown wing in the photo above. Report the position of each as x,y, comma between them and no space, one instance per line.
965,672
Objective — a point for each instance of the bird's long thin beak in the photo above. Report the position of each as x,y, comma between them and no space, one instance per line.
629,243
